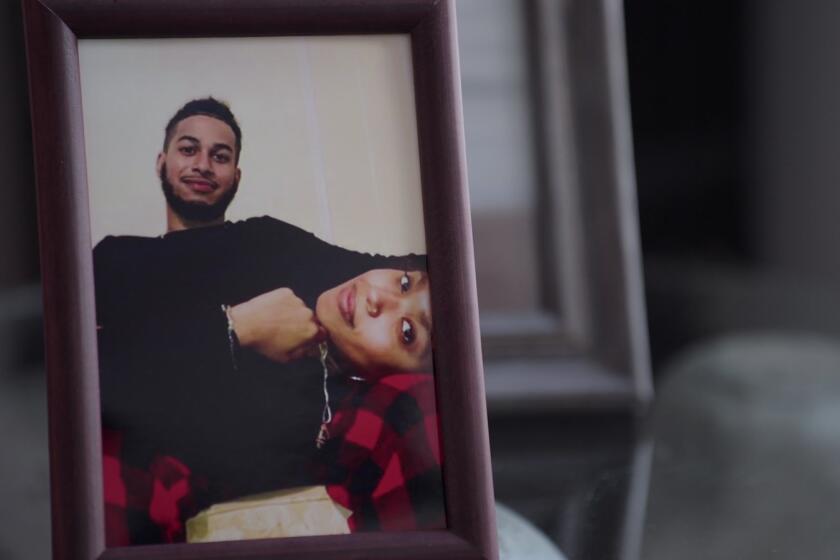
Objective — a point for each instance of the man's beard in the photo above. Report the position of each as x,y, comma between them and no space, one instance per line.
195,211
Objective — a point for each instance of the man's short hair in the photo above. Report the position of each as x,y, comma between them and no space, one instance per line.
208,107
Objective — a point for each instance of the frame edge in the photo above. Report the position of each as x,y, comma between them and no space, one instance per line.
470,506
67,279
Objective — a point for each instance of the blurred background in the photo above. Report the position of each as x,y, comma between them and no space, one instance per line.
735,109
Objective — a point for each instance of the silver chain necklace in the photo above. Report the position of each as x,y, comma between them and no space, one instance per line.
326,415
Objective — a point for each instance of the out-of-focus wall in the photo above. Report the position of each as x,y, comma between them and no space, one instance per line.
736,119
793,110
18,245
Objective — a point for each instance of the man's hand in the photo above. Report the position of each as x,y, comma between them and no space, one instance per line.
277,324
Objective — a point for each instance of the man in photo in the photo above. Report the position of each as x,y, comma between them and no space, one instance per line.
201,333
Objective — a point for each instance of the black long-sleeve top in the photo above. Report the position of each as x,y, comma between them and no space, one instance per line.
167,378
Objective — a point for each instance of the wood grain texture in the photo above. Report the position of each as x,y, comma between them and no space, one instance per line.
52,28
452,272
67,278
419,545
214,18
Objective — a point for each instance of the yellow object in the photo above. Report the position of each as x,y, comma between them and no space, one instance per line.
297,512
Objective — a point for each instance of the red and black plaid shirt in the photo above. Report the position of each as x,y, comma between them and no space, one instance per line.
145,505
383,458
382,461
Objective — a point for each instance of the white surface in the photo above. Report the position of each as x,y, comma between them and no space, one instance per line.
746,438
520,540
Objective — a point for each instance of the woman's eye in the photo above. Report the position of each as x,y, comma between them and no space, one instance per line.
407,332
405,282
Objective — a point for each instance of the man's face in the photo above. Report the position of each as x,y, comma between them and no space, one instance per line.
198,170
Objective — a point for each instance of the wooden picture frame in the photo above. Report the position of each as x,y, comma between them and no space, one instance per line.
52,28
586,347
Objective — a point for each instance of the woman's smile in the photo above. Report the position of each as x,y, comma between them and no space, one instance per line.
347,304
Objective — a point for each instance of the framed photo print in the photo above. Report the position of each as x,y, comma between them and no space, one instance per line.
260,308
553,193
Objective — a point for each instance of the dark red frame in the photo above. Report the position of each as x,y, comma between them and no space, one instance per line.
52,28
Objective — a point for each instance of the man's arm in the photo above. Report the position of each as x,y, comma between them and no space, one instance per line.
290,258
278,325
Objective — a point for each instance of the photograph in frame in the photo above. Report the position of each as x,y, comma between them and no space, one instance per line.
263,319
77,226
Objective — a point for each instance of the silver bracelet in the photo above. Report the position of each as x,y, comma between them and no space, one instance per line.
233,340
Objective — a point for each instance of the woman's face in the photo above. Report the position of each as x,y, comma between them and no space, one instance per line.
380,321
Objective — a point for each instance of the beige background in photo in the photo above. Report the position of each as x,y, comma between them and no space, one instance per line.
328,130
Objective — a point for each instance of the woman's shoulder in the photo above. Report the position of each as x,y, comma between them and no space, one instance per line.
407,381
402,393
399,401
416,389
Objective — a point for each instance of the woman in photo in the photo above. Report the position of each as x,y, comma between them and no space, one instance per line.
374,441
382,458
